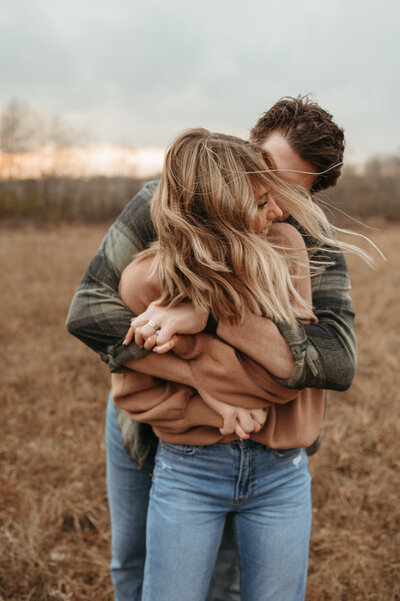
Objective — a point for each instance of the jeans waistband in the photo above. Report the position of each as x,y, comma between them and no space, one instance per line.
250,444
243,444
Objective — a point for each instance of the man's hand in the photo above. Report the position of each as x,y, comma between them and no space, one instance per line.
157,326
236,419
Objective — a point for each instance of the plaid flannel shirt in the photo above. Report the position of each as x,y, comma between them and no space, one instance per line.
324,354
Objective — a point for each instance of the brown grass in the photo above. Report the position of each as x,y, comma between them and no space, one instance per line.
54,528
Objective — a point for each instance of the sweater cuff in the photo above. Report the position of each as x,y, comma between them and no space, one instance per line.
190,346
198,413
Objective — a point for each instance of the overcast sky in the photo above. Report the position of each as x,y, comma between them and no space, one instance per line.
139,72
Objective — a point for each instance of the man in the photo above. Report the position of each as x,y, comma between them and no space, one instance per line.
307,147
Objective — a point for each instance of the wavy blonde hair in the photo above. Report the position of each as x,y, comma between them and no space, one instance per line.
203,213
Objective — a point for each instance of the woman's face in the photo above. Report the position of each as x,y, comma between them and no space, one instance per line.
268,209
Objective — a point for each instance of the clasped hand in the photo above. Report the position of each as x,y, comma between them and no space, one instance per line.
181,319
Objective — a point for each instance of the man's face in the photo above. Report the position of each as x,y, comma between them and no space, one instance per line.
286,158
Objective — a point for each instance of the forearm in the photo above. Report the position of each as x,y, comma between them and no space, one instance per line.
182,402
163,403
166,367
100,320
213,369
260,339
234,378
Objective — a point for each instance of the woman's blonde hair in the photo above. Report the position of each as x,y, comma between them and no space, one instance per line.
203,213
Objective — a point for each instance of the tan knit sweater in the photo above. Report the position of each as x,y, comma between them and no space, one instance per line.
170,391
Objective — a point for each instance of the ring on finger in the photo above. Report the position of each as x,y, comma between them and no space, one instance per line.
153,324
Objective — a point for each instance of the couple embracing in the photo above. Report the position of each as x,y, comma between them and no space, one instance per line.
237,293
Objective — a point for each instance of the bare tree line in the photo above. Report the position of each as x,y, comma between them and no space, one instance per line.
372,192
24,128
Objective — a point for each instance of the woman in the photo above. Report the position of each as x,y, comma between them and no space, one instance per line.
217,248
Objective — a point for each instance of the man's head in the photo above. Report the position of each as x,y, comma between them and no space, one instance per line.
302,136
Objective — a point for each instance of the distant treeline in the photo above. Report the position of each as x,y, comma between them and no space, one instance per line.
373,193
56,199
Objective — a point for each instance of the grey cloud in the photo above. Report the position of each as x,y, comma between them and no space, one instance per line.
142,71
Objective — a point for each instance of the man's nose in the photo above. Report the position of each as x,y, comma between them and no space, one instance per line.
274,210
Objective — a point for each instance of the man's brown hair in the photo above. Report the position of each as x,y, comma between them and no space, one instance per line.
310,131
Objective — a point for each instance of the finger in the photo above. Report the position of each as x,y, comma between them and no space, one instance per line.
148,330
240,432
166,333
259,416
164,348
139,339
140,320
150,342
225,430
129,336
229,424
245,421
142,334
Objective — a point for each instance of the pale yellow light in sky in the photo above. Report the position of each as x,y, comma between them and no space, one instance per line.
87,161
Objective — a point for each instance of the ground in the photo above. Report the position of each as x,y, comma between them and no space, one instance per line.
54,527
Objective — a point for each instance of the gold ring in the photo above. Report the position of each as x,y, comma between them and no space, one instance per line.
153,324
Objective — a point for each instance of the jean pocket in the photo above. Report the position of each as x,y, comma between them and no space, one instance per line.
184,450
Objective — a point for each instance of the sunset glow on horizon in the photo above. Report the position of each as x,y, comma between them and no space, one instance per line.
92,160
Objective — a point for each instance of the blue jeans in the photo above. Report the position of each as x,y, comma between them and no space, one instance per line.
193,490
128,496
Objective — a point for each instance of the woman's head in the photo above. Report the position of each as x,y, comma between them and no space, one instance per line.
209,179
211,202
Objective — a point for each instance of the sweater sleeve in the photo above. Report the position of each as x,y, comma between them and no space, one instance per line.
97,315
211,367
155,401
161,389
223,373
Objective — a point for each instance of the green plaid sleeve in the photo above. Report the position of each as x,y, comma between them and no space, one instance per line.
97,316
325,353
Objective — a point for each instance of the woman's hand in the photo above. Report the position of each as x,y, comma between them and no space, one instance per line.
157,327
237,420
244,421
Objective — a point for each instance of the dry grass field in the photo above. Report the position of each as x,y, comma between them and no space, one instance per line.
54,528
